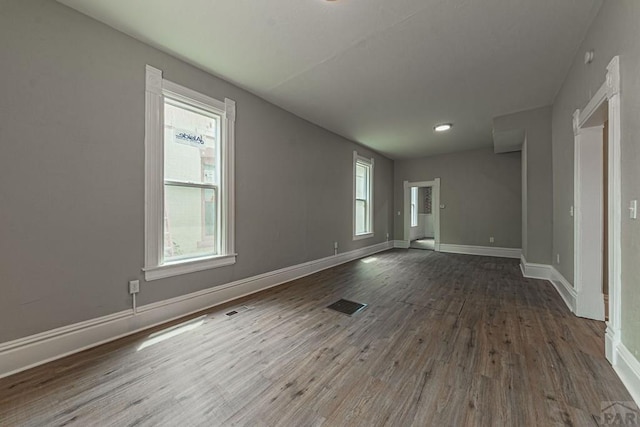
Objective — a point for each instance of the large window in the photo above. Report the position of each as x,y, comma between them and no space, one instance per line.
414,206
363,197
189,184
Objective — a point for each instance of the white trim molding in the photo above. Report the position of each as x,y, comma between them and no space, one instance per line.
28,352
615,203
535,271
481,250
627,367
565,289
553,276
593,115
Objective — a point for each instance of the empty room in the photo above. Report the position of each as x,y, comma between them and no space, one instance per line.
319,213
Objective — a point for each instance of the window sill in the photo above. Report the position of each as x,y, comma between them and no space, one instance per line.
187,266
362,236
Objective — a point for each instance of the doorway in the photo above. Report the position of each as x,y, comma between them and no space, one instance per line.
590,204
421,232
422,215
598,207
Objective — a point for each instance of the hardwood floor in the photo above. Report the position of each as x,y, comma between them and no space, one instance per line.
447,340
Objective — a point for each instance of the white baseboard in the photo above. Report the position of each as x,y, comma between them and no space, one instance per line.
565,289
481,250
611,341
548,272
402,244
628,369
535,271
28,352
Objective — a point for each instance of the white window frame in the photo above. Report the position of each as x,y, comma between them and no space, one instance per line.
156,90
414,206
370,163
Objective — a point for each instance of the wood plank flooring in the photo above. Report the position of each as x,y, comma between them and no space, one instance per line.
447,340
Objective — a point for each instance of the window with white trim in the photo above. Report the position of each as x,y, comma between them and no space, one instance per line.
189,147
362,197
414,206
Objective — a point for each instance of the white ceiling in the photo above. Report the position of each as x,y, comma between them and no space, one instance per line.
380,72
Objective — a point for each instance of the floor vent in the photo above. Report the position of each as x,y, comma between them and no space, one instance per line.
237,310
347,307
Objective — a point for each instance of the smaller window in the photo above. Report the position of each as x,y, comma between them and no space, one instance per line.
362,197
414,206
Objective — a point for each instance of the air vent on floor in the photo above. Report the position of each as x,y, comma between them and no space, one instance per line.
347,307
237,310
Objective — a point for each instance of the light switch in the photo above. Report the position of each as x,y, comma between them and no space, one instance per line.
633,209
571,211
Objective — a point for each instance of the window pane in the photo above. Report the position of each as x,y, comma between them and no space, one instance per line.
190,148
190,223
361,181
361,217
209,213
414,217
414,205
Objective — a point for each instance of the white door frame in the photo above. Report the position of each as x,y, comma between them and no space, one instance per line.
435,207
584,122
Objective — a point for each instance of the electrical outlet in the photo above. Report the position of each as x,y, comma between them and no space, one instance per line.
387,237
492,240
134,286
633,209
557,258
398,213
571,211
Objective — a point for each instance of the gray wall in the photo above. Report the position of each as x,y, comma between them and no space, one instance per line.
615,31
539,216
72,174
481,191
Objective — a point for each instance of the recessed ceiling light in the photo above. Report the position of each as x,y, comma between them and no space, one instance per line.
443,127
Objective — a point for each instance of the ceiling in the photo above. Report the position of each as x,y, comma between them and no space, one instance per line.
379,72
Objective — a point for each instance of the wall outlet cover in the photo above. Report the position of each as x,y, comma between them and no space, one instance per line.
134,286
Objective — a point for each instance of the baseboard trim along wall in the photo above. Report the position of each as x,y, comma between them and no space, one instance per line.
481,250
548,272
625,363
564,288
628,369
535,271
28,352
